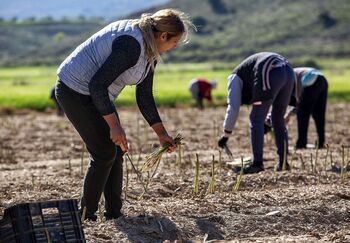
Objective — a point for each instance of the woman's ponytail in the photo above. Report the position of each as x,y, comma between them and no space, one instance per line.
171,21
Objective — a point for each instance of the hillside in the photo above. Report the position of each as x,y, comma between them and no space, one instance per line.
22,9
37,44
227,30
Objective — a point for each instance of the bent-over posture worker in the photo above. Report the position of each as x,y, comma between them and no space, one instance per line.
93,75
312,89
262,80
201,89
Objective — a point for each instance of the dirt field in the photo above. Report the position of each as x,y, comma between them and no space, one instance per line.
40,159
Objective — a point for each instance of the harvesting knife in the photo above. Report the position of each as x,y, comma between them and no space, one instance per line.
228,152
139,175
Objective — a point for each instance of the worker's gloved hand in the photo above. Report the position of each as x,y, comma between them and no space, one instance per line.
222,141
267,128
268,124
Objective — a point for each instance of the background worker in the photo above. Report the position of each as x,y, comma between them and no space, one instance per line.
262,80
59,110
312,89
201,89
93,75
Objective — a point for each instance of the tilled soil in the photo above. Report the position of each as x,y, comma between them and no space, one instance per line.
42,158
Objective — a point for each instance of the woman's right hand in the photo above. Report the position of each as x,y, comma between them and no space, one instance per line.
116,131
118,137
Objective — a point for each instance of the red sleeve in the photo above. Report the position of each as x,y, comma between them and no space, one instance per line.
204,89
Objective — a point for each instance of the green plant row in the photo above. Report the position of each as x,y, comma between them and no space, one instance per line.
29,87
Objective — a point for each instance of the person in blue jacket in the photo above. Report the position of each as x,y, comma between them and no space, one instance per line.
123,53
262,80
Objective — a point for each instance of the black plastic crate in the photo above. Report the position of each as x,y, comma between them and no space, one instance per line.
50,221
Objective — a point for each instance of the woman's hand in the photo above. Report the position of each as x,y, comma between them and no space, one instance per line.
163,136
116,131
166,139
118,137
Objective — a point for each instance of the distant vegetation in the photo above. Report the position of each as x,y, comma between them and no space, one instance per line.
42,41
228,30
29,87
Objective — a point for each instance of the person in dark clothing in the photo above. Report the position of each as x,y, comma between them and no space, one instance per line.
262,80
123,53
312,93
59,110
201,89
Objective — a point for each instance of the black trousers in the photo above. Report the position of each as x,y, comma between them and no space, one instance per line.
313,102
199,101
105,171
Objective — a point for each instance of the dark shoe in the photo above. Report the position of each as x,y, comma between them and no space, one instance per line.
114,216
279,167
88,216
250,169
321,146
299,145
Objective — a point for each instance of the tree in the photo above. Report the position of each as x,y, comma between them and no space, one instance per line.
218,7
327,20
58,37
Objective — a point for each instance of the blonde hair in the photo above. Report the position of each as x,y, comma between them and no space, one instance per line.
171,21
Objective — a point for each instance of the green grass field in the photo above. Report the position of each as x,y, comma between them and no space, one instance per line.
29,87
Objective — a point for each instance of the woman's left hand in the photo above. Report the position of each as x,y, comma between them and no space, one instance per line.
163,136
166,139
